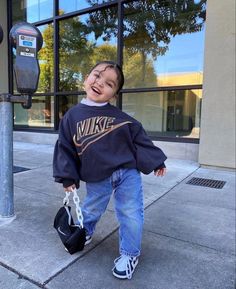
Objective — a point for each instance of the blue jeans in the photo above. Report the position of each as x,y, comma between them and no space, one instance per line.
126,185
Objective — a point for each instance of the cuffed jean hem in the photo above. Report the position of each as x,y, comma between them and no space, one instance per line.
122,252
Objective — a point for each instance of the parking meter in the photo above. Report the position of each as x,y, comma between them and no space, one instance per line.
27,40
1,34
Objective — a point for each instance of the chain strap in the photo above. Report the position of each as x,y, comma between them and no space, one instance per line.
66,199
76,202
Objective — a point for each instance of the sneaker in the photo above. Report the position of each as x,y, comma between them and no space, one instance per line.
124,267
88,240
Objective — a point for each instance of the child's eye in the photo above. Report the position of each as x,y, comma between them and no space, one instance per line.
109,84
96,74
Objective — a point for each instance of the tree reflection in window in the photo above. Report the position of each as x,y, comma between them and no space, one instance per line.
148,27
46,60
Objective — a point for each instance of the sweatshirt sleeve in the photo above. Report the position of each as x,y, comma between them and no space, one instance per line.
148,156
65,158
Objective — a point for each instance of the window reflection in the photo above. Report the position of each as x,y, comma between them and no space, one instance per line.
18,11
66,102
46,60
83,42
41,114
160,38
181,78
163,46
66,6
32,10
166,113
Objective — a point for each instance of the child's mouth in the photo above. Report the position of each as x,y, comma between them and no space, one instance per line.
97,91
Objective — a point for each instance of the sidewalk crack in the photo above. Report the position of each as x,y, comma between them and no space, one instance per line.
22,276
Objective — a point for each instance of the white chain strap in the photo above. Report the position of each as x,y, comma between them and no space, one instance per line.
66,199
77,202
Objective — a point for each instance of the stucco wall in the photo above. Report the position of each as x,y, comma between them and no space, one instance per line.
217,137
3,49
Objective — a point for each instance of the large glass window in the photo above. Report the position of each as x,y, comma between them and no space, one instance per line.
83,42
160,45
66,102
166,113
31,10
41,114
46,60
162,39
66,6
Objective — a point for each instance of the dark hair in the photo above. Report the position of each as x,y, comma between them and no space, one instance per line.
116,67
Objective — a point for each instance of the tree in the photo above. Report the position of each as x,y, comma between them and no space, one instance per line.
149,25
46,61
74,51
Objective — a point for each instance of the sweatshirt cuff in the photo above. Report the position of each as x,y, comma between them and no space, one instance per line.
69,182
162,166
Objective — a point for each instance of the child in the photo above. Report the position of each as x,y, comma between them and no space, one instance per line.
106,148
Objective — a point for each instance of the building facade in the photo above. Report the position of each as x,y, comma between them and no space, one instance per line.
177,57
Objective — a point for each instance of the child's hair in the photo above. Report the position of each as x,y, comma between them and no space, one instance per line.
117,68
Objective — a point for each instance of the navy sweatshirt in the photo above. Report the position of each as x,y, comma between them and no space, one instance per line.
94,141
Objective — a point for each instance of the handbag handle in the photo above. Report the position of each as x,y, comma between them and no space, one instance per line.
76,202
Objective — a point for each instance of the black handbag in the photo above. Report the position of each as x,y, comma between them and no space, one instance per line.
72,235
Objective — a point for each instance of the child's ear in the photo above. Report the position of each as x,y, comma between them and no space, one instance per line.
116,96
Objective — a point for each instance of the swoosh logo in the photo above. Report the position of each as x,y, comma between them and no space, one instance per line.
60,231
98,136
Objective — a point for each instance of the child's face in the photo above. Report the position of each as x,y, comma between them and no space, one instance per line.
101,84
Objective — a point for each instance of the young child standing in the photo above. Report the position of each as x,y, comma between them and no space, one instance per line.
106,148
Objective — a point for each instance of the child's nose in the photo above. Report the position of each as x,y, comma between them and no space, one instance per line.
100,82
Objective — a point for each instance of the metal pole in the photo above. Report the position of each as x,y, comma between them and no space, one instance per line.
6,160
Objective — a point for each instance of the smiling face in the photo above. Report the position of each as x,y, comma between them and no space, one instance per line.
101,84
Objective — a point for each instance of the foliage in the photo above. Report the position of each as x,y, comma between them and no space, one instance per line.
148,28
149,25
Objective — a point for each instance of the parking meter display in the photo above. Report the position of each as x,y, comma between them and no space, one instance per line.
27,45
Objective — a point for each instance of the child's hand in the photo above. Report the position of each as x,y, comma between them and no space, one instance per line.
160,172
70,188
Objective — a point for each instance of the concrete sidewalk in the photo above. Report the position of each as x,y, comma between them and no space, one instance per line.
188,242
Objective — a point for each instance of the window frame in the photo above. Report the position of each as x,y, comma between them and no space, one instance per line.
120,43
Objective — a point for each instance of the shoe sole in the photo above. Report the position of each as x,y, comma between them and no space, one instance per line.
88,242
124,276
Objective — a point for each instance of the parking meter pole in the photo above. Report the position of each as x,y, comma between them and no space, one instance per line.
6,160
27,40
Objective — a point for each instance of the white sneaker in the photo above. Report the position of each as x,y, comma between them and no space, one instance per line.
88,240
124,267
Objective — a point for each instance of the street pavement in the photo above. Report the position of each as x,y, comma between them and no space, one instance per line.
188,240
